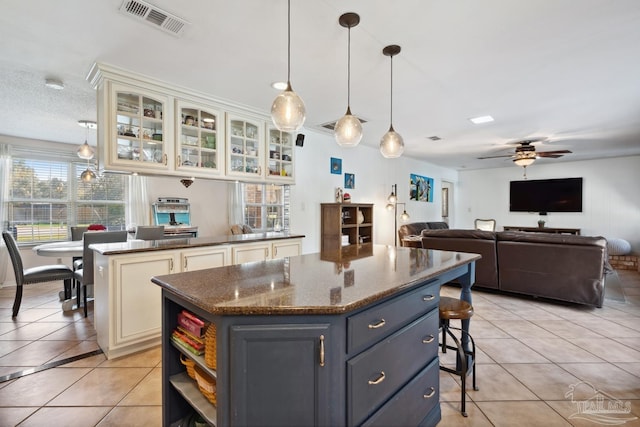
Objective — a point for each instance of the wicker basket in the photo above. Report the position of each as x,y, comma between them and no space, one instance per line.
190,364
210,347
206,384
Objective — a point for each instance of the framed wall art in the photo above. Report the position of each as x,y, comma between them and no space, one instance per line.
336,166
420,188
349,180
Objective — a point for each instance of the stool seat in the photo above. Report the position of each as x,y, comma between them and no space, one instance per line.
454,308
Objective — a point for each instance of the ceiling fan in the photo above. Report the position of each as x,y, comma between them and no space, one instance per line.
526,153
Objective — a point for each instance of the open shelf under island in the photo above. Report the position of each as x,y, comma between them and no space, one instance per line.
316,339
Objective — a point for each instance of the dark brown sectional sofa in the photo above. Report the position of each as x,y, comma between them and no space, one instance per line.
557,266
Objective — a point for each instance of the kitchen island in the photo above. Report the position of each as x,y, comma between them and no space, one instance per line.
317,339
128,307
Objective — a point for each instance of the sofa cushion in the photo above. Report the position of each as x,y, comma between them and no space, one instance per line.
551,238
460,234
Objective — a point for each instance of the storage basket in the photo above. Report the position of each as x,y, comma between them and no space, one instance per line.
210,347
206,384
190,364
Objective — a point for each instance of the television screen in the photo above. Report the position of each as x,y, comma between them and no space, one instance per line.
546,195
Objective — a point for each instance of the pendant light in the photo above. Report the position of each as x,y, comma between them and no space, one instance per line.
86,152
391,144
288,111
348,130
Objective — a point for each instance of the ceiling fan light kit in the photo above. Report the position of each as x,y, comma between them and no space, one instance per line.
525,153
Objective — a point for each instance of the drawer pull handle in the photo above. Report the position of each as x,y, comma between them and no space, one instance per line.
379,380
321,350
428,340
430,394
380,324
428,298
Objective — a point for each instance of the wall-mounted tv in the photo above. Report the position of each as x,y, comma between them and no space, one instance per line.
546,195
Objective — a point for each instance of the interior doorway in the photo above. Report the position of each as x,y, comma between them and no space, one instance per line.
447,202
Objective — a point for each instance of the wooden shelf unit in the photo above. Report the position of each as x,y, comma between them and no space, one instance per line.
340,219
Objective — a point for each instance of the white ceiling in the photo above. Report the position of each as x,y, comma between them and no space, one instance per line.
564,70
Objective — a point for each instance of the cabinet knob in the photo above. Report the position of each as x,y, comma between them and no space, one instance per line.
378,380
380,324
428,298
430,394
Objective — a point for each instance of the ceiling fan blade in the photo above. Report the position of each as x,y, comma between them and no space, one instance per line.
495,157
549,155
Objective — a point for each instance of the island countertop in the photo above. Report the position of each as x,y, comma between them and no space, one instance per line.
133,246
320,283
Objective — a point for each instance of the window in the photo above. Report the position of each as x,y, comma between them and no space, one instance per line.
46,196
266,207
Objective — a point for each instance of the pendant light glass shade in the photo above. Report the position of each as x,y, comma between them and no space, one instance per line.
88,175
391,144
348,130
288,112
85,151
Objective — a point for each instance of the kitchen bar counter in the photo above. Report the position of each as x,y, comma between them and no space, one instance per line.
127,306
138,246
314,340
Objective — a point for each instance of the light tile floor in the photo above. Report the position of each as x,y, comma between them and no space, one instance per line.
531,354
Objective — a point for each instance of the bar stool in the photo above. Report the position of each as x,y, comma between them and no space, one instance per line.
454,308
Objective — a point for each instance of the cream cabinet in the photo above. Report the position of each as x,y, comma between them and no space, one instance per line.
285,248
127,305
199,141
245,147
280,156
250,252
201,258
136,131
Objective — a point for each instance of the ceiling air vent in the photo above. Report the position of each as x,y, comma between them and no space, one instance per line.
154,16
434,138
332,125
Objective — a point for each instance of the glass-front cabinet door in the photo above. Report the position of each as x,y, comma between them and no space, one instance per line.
199,149
245,147
139,138
280,157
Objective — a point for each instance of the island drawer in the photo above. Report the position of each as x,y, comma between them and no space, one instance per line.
412,403
376,374
367,328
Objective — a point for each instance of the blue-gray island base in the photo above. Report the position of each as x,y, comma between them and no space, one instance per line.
315,340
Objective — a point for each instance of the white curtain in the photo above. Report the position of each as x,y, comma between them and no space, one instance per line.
138,208
5,173
236,202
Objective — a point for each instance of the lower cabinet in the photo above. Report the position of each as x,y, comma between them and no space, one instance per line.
250,252
297,370
199,259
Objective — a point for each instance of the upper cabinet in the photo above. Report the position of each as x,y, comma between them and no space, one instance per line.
245,147
199,144
137,131
152,127
280,157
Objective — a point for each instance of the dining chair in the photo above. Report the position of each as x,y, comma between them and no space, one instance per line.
43,273
85,275
76,234
150,232
485,224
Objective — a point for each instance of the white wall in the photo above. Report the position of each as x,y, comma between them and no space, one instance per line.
374,176
611,201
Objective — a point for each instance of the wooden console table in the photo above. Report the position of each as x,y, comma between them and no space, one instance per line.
554,230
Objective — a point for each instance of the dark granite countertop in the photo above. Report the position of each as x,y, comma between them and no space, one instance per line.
320,283
133,246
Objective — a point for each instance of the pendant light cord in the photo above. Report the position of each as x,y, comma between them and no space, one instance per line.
391,106
289,43
349,70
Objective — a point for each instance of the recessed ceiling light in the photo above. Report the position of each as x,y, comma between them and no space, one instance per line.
88,124
54,84
481,119
279,85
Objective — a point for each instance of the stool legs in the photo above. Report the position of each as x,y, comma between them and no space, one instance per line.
465,358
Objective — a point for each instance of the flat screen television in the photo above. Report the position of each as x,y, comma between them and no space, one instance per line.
546,195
